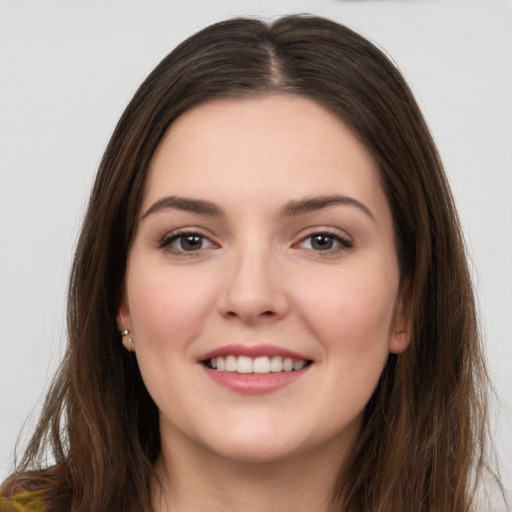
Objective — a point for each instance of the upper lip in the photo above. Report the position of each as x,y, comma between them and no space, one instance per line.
252,351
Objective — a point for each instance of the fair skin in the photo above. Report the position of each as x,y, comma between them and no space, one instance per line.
265,234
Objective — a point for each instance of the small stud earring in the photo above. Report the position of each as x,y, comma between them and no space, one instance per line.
125,334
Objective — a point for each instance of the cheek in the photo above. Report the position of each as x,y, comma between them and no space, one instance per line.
168,305
352,313
168,308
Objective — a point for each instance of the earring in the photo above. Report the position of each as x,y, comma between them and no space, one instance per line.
125,335
128,342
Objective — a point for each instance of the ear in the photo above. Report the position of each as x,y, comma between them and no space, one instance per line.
400,336
124,323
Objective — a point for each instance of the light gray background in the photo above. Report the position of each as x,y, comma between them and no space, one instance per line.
67,69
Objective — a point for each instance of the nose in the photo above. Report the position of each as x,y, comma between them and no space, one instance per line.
253,288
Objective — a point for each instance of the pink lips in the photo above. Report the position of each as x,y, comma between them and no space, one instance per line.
252,351
253,383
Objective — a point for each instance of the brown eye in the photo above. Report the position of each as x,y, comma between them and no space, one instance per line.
190,242
325,242
185,242
322,242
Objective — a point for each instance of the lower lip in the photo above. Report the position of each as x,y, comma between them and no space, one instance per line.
255,383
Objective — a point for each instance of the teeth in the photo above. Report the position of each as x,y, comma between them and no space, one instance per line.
243,364
288,364
276,364
230,364
263,364
298,365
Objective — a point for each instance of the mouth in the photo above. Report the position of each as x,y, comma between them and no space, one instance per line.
255,369
257,365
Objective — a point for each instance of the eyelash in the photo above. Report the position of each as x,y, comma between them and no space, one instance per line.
167,241
344,244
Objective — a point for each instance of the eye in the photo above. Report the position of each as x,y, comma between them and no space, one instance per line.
185,242
325,242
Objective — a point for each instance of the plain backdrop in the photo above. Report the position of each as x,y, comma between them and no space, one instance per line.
67,70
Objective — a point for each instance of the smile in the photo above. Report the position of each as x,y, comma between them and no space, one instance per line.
255,369
260,365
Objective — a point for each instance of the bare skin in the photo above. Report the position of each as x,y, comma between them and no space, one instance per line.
303,483
264,232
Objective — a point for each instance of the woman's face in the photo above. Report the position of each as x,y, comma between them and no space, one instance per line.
264,242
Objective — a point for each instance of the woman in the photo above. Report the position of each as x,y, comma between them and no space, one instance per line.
270,306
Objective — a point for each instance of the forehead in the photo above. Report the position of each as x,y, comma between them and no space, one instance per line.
242,149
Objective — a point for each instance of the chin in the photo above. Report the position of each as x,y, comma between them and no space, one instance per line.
253,440
262,444
257,451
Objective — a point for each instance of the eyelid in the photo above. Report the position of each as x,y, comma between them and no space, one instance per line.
166,240
345,241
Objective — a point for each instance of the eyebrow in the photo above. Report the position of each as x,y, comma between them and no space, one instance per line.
184,204
312,204
290,209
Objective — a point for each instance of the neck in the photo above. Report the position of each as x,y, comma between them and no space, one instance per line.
191,482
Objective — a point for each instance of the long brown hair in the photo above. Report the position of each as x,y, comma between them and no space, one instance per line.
422,444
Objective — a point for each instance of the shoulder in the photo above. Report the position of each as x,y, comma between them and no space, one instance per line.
27,501
35,491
